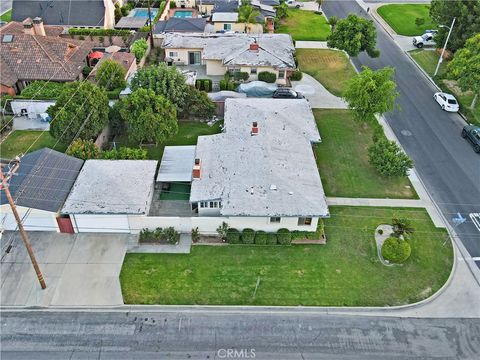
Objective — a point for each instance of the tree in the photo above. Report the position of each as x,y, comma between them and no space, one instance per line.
389,160
332,21
371,92
354,34
111,75
80,111
467,24
165,81
198,105
83,149
139,48
148,117
465,67
402,227
281,11
247,14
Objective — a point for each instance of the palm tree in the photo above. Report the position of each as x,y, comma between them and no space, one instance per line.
319,2
402,226
332,20
247,14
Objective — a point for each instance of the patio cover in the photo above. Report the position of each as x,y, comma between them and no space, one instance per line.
177,164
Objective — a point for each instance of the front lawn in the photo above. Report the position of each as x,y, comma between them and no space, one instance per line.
188,132
19,142
331,68
342,159
344,272
401,18
428,59
304,25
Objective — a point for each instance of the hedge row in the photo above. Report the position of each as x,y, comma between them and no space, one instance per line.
98,32
204,84
250,236
267,76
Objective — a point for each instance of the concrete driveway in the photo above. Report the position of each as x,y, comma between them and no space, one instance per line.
317,95
79,269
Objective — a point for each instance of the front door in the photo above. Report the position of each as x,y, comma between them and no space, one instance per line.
194,58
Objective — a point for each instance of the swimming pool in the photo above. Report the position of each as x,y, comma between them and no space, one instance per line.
183,14
140,12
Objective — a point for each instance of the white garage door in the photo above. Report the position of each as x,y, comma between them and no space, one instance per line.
33,220
101,223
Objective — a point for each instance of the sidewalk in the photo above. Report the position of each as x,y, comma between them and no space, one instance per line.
311,45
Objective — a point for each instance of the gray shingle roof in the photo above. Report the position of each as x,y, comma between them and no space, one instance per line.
44,180
179,24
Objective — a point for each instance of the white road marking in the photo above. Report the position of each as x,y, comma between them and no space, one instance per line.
475,217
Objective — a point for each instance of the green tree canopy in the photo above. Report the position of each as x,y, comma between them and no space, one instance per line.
111,75
465,66
165,81
354,34
148,117
281,10
389,160
83,149
467,23
198,105
139,48
80,111
247,14
371,92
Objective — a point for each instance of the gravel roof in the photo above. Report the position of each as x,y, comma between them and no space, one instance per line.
273,173
112,187
225,16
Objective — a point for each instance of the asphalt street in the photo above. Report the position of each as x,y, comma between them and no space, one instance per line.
445,162
209,335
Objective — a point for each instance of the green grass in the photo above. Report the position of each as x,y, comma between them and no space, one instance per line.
304,26
176,192
7,17
19,142
401,18
342,159
345,271
329,67
428,59
188,132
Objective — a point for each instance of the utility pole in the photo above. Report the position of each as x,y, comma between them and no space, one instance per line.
150,22
26,241
444,47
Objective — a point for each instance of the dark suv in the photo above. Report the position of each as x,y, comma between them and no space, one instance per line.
472,133
286,93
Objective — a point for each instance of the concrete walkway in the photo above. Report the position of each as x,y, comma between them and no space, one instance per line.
183,247
311,45
317,95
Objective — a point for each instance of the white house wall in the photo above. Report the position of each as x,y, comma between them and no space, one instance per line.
35,220
215,67
182,55
100,223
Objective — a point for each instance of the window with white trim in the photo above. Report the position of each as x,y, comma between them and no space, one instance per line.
253,70
281,74
173,54
304,221
227,27
275,220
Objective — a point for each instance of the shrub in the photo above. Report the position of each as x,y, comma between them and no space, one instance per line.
86,71
284,236
43,90
98,32
239,75
207,85
419,21
231,86
233,236
222,230
272,239
389,160
223,84
139,48
396,250
261,238
83,149
125,153
248,236
195,234
296,75
267,76
171,235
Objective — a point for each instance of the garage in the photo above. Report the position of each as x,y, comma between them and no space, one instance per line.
100,223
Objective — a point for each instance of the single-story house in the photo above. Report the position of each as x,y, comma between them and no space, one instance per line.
86,13
107,194
233,52
40,188
32,51
228,21
178,25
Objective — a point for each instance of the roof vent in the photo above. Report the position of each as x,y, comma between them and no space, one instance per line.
254,128
273,187
196,169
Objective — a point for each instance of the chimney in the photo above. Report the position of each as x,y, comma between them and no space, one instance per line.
28,27
254,47
196,169
254,128
38,27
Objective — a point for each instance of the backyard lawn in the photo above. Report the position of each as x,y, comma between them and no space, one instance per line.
329,67
401,18
342,159
20,140
304,26
344,272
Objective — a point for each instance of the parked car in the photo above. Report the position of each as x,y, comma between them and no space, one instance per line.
294,4
446,101
424,40
472,133
286,93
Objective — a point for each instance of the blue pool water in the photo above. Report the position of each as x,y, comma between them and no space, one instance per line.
144,13
183,14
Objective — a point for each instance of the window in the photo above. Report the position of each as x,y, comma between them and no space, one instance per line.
173,54
253,70
202,204
227,27
281,74
274,220
304,221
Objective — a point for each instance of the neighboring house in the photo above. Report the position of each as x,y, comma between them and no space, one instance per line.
32,51
127,60
266,7
109,194
178,25
78,13
233,52
248,176
39,188
186,3
228,21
